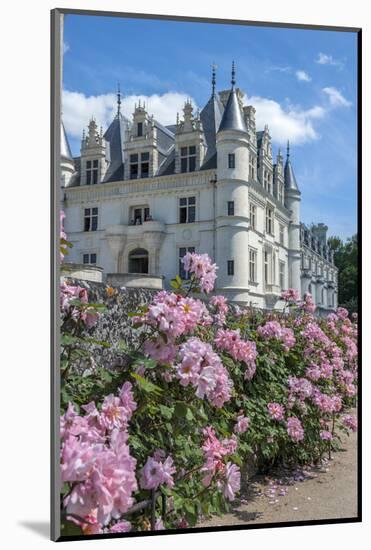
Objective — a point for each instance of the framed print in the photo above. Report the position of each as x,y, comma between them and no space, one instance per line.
205,282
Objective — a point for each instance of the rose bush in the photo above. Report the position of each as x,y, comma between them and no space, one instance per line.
208,387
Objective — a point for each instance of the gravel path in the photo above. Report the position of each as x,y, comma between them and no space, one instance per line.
327,492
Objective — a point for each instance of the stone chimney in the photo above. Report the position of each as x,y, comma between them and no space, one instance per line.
320,231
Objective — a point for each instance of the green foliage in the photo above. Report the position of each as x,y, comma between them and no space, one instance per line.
171,417
346,260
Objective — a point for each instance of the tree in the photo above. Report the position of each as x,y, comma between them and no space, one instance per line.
346,260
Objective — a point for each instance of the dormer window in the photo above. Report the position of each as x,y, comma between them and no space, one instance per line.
188,159
252,168
144,165
269,187
140,129
92,167
133,166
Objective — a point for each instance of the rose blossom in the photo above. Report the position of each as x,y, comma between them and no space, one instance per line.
325,435
242,424
295,429
232,481
276,411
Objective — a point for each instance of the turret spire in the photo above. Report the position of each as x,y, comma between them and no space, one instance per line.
213,79
233,81
118,99
232,117
290,180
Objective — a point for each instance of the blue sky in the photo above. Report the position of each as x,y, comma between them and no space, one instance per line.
301,82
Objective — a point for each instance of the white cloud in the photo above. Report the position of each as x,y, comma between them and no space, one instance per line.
285,122
325,59
78,108
302,75
66,47
336,98
291,123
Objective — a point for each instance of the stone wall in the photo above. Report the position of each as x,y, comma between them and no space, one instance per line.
113,326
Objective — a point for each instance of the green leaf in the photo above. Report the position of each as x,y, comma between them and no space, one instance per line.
68,340
145,384
181,410
145,362
167,412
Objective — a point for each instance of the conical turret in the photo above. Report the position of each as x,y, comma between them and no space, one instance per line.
290,180
232,117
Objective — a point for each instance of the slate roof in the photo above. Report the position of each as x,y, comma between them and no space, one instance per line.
211,116
65,146
115,137
290,180
214,118
232,117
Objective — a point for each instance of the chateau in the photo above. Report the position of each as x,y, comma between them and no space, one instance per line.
143,194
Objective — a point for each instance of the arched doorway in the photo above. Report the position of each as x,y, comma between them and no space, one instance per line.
138,261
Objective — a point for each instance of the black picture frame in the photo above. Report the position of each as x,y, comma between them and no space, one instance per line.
55,107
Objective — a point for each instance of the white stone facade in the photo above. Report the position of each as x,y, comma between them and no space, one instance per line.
209,184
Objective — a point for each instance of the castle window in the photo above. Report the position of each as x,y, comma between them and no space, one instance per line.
140,129
266,267
282,274
92,167
252,168
282,234
280,192
187,210
230,208
252,215
133,166
188,159
231,160
144,165
183,274
269,221
90,219
269,186
252,265
139,214
230,267
89,259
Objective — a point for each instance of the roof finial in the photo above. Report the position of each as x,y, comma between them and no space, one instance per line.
213,78
288,149
233,81
118,99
